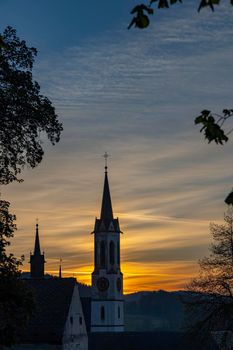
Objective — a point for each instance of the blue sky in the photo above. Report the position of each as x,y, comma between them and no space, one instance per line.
134,94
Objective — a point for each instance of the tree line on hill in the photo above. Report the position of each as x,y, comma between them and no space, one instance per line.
154,311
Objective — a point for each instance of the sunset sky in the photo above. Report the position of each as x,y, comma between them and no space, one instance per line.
133,94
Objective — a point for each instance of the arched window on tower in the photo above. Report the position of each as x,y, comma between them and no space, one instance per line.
95,255
112,253
118,253
102,254
102,313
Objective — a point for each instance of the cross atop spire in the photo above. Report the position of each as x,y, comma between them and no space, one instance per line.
106,156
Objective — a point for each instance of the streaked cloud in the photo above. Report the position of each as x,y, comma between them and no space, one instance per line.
135,95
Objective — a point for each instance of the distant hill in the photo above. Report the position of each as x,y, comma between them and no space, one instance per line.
154,311
150,311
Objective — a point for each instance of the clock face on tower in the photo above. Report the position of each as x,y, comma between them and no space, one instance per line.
118,284
102,284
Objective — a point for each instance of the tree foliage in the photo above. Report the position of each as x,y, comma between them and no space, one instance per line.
24,115
16,301
24,112
212,125
211,307
142,12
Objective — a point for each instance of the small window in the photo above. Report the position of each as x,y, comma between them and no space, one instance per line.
102,313
112,253
119,312
96,261
80,320
71,319
102,254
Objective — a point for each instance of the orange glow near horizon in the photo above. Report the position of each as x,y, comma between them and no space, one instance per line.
143,277
159,249
160,256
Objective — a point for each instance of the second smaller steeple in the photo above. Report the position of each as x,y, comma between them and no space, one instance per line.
37,259
37,242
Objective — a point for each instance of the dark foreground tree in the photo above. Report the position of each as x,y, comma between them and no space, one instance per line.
210,309
142,12
212,124
24,112
212,127
25,115
16,301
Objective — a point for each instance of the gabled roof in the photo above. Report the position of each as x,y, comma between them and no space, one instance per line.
53,298
106,226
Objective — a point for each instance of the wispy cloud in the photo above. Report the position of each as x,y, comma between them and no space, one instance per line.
134,94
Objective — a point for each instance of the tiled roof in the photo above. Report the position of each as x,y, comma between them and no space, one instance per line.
53,297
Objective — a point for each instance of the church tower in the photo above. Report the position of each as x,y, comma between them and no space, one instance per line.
107,306
37,260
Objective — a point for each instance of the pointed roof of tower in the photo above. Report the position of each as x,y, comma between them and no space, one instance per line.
37,242
106,210
106,222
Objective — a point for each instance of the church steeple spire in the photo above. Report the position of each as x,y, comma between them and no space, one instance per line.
37,242
107,304
37,260
106,210
106,222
